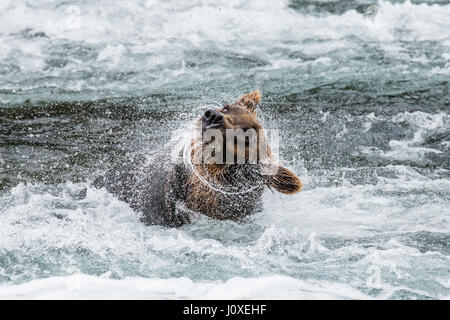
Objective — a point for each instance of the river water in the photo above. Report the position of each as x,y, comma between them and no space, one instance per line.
358,89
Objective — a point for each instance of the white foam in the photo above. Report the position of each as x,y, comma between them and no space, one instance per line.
362,210
129,36
410,149
288,237
82,286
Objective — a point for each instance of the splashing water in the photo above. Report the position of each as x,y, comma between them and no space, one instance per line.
361,98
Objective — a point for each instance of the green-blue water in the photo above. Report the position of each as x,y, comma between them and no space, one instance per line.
359,92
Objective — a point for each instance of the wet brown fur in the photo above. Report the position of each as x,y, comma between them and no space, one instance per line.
201,198
140,183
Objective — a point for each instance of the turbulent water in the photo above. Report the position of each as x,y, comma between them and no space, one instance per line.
358,89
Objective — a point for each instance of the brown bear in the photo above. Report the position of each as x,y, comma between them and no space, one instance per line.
217,177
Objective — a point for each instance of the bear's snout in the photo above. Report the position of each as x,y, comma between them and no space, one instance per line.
212,119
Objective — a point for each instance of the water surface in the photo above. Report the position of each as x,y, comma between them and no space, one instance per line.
360,94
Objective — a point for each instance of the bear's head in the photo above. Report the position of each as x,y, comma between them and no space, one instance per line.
232,135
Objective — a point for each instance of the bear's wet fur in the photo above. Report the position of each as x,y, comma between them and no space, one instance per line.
165,193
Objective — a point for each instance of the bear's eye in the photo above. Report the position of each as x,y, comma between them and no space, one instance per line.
225,109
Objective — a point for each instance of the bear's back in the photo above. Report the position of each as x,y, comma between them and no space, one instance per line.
144,186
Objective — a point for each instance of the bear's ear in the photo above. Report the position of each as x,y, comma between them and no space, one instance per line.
284,181
250,100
